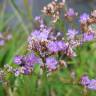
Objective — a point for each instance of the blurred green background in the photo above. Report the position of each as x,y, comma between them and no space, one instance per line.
16,17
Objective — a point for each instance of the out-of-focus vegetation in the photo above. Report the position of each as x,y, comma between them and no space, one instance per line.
18,22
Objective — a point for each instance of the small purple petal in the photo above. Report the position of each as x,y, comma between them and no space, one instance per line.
51,63
1,35
84,17
52,46
17,73
85,80
2,42
26,70
88,37
61,45
92,84
71,33
39,19
18,60
70,12
35,34
31,59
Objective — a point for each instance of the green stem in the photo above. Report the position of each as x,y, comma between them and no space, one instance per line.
7,90
45,80
85,93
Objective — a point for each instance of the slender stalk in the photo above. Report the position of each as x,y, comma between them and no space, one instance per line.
45,78
7,90
85,93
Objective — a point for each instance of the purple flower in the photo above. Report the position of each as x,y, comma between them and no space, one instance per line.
88,37
51,63
71,33
27,60
34,44
71,12
42,26
17,72
2,42
31,59
26,63
44,34
61,45
39,35
92,84
84,17
18,60
26,70
39,19
34,35
9,36
52,46
1,35
85,81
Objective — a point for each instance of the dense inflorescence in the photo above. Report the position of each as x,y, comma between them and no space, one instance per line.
53,9
44,46
49,48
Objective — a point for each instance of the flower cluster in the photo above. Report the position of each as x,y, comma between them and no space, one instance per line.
25,63
87,20
53,9
45,45
4,38
51,49
90,84
70,14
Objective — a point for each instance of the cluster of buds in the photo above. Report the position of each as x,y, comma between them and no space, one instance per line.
2,75
86,22
53,9
4,38
70,14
